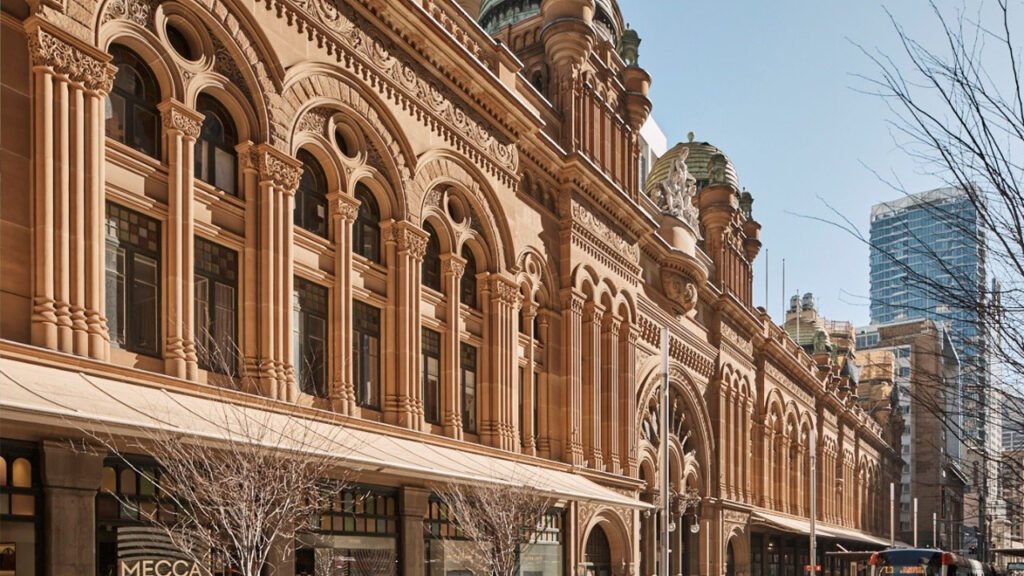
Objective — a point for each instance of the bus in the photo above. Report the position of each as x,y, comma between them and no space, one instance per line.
924,562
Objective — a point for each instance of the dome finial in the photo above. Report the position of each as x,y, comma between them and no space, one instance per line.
690,136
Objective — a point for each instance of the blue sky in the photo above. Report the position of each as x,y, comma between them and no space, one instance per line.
774,85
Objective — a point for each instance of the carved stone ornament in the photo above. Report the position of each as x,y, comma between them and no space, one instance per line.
137,11
602,231
413,242
507,293
315,120
674,195
187,122
344,206
456,267
67,60
272,168
679,290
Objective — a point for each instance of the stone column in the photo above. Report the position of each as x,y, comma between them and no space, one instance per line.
452,267
70,482
592,394
499,427
528,400
572,340
413,508
342,394
403,405
543,399
70,80
628,337
181,127
610,421
276,177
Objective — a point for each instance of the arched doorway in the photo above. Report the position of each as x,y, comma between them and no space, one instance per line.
730,560
598,554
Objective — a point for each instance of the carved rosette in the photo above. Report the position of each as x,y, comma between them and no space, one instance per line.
679,289
65,59
176,117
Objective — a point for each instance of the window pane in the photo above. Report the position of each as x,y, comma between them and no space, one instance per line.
115,117
202,160
146,130
224,325
202,327
225,163
115,294
144,303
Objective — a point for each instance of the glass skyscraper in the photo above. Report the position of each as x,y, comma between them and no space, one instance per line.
928,261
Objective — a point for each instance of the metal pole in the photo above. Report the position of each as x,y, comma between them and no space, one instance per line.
892,514
665,477
935,530
915,522
814,500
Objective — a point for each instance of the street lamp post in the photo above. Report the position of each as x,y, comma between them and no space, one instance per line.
666,476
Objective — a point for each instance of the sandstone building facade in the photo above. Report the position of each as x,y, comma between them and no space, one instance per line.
387,216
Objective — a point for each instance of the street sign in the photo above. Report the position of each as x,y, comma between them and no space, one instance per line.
1015,566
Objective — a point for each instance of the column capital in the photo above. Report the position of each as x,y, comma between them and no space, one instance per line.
344,206
575,299
180,118
593,311
505,290
67,56
612,324
274,167
453,264
409,239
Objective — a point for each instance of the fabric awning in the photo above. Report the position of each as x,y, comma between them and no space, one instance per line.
48,395
803,527
789,524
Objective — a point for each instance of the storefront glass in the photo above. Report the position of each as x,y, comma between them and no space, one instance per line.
358,535
20,507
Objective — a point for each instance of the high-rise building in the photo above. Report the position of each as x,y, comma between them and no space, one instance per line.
928,262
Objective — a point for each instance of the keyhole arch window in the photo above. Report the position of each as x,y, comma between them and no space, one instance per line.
216,161
131,115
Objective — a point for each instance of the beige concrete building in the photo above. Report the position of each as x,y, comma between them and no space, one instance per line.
378,216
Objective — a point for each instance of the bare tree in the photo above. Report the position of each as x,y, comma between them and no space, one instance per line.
237,480
499,524
958,111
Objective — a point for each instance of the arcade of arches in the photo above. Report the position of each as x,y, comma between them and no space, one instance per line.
373,211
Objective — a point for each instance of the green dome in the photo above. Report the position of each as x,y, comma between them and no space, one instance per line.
497,14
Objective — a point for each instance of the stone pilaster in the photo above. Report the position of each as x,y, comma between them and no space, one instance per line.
342,394
70,81
403,402
452,268
413,508
628,338
592,393
500,424
70,482
572,401
610,433
528,401
274,177
181,128
544,401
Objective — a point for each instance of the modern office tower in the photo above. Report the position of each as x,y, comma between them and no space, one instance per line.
928,261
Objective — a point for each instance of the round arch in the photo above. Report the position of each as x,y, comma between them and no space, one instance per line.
440,167
610,525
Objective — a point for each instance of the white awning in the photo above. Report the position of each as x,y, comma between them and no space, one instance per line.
789,524
803,527
46,395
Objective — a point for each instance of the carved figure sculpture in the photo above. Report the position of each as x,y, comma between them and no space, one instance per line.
674,195
716,169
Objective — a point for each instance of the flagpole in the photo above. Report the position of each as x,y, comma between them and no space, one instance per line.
666,476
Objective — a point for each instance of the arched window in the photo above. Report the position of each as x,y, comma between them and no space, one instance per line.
131,115
311,197
431,271
216,161
467,285
366,232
